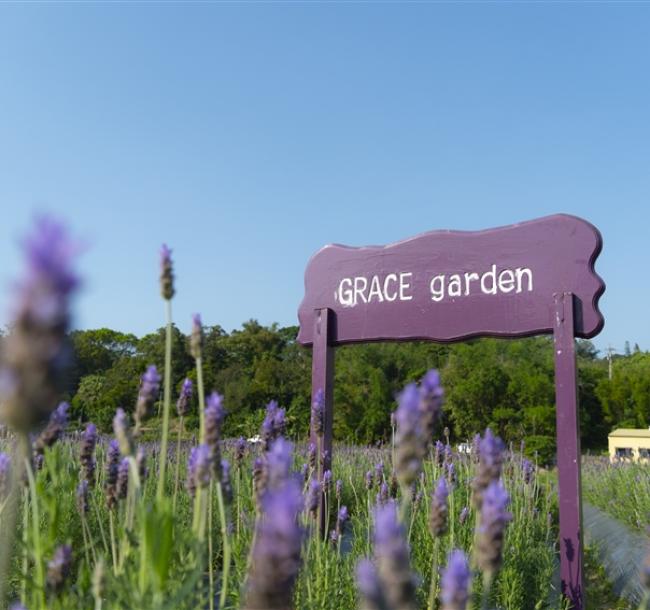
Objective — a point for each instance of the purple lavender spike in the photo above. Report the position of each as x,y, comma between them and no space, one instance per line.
166,273
196,336
183,403
409,439
58,568
455,582
438,518
149,388
54,429
493,520
87,453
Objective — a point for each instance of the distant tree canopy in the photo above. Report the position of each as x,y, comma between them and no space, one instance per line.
507,385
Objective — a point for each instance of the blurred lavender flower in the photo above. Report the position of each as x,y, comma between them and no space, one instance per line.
274,423
463,515
123,432
451,472
58,568
196,337
122,485
141,464
278,463
379,471
369,586
338,489
17,606
455,581
34,354
166,273
313,497
370,480
491,459
431,394
112,467
214,416
438,518
199,466
318,413
304,471
528,471
475,449
54,429
240,450
393,484
409,439
276,551
493,520
149,388
327,481
5,475
82,497
226,485
183,403
382,495
439,455
392,556
312,456
341,519
87,453
260,479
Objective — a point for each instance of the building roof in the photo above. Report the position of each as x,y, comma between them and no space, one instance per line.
631,432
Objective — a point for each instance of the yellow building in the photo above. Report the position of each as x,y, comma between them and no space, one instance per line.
629,444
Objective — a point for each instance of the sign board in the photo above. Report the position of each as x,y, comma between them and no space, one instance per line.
531,278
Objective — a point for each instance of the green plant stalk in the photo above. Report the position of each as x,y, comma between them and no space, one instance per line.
226,547
111,525
199,383
101,525
36,534
23,584
167,402
434,574
210,558
178,463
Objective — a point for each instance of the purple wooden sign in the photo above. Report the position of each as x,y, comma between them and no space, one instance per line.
526,279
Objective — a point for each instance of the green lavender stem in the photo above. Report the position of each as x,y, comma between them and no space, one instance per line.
178,463
36,534
225,541
199,383
167,401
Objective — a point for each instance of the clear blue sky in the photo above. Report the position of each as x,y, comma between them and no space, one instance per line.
249,135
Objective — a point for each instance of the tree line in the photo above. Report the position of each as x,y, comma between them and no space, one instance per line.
507,385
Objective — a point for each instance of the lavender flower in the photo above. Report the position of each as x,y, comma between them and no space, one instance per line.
87,453
409,440
122,485
82,497
240,450
34,355
196,337
17,606
122,432
276,552
439,455
455,582
318,413
392,556
341,519
379,471
54,429
312,455
370,480
141,464
327,481
313,497
383,495
166,273
491,460
214,416
59,567
226,485
278,463
5,475
338,489
369,586
528,471
438,518
149,388
274,423
112,467
260,479
493,520
184,399
431,394
304,472
199,468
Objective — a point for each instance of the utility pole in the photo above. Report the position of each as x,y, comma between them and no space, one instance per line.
610,351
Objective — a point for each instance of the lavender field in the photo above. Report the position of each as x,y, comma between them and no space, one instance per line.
89,521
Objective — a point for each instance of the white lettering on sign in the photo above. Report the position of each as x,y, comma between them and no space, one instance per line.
399,286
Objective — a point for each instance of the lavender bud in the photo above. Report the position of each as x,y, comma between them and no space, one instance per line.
312,456
149,387
240,450
528,471
166,273
393,484
370,480
339,489
214,416
409,440
327,481
123,432
34,354
431,394
439,454
122,485
54,429
276,552
260,479
392,556
82,497
196,337
87,453
313,497
379,471
455,581
183,403
112,467
226,485
451,472
141,464
369,586
274,423
341,519
382,496
278,463
5,475
490,462
58,568
438,519
318,413
199,467
493,520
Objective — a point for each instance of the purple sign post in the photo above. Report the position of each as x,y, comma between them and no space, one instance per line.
526,279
